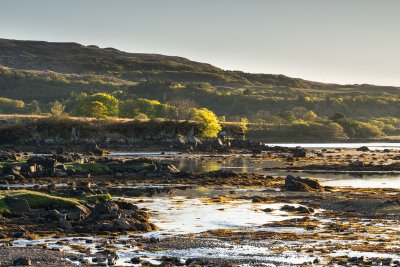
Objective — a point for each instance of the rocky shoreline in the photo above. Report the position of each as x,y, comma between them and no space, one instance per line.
80,208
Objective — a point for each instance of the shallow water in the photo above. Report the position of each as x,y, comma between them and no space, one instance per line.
370,145
182,215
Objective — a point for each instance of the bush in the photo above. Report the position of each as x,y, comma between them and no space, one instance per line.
9,106
208,122
108,105
151,108
357,129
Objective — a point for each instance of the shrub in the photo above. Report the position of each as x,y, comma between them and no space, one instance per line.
108,105
208,122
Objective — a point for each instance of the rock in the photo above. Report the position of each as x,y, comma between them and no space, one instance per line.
154,239
54,215
122,224
136,260
125,205
13,170
105,208
299,152
356,164
267,210
301,184
363,149
23,261
104,226
18,234
18,205
64,224
144,227
300,209
75,216
94,148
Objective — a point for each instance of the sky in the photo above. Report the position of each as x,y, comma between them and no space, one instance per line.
341,41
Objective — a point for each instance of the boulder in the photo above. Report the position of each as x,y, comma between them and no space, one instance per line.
18,205
22,261
122,224
299,209
363,149
54,215
125,205
104,226
301,184
64,224
105,208
75,216
299,152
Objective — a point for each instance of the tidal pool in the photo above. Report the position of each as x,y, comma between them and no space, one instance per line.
182,215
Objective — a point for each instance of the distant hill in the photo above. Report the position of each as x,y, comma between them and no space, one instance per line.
46,71
74,58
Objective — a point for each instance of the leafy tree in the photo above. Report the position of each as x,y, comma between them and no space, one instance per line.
183,108
243,124
97,109
208,122
33,107
151,108
86,104
57,109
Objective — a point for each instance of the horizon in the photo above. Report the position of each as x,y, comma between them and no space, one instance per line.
344,43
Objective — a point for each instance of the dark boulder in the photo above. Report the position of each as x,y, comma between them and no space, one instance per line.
104,209
299,209
18,205
122,224
301,184
125,205
299,152
363,149
64,224
22,261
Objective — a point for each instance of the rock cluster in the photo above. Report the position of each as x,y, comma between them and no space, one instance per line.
293,183
111,216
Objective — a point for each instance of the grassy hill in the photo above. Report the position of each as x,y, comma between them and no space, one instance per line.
44,71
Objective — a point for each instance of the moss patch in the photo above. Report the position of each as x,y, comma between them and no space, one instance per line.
41,200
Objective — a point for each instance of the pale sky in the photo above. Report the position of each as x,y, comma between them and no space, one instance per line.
343,41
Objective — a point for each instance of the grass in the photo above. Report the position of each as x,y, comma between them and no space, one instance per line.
108,167
96,168
41,200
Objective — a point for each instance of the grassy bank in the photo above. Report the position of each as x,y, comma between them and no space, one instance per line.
37,200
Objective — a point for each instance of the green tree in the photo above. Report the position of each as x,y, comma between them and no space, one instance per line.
183,108
33,107
57,109
208,122
85,105
97,109
151,108
243,124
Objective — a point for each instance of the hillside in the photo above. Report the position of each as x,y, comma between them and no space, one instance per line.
73,58
44,71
